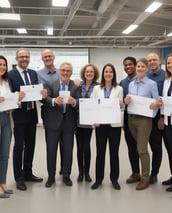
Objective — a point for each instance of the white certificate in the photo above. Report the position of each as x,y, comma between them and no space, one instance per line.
167,105
32,92
141,106
10,102
102,111
65,95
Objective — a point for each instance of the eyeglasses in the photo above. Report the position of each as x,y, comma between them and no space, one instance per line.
24,56
67,71
47,56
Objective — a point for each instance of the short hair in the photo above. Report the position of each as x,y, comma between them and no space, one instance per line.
83,69
20,49
130,58
67,63
144,61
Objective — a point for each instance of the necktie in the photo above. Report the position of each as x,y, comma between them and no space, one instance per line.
64,105
29,104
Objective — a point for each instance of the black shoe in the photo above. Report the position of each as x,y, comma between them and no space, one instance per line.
167,182
67,181
49,183
96,185
116,185
33,178
153,179
169,189
88,178
80,177
21,186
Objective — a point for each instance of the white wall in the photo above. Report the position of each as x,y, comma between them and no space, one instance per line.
100,57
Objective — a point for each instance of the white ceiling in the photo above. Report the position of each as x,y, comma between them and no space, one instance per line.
88,23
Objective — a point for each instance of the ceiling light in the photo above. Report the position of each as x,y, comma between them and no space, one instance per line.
21,30
9,16
154,6
5,4
130,29
50,31
60,3
170,34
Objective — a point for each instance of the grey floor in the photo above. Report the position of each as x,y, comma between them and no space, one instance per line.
80,198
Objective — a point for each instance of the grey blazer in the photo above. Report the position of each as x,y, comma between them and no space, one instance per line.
53,115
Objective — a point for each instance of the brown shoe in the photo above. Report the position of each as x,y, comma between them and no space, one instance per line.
142,185
135,177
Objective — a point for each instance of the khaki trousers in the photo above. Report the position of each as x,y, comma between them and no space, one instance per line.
140,127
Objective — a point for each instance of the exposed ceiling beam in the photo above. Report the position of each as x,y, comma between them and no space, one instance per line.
113,17
72,12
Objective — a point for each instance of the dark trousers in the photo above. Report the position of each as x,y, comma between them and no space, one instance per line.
113,135
52,140
83,137
132,146
168,131
155,141
23,152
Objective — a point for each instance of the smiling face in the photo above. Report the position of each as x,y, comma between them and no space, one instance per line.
3,67
48,58
108,74
129,68
89,73
169,64
153,62
141,69
65,72
23,58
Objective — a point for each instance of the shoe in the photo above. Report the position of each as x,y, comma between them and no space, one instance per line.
49,183
153,179
88,178
33,178
80,177
167,182
3,195
135,177
8,191
142,185
21,186
67,181
169,189
116,185
96,185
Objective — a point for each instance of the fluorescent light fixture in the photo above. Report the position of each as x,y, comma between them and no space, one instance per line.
154,6
169,34
130,29
60,3
21,30
5,4
50,31
9,16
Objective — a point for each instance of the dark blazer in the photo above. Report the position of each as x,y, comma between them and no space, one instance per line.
15,81
54,114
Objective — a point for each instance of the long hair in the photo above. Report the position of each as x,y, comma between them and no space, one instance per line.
5,75
114,82
168,73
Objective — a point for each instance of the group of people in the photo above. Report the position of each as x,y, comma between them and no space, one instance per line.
61,120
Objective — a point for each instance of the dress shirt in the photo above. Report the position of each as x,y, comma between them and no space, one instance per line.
45,75
159,78
125,83
146,88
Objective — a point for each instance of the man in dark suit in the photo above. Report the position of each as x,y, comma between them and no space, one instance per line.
25,120
60,122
